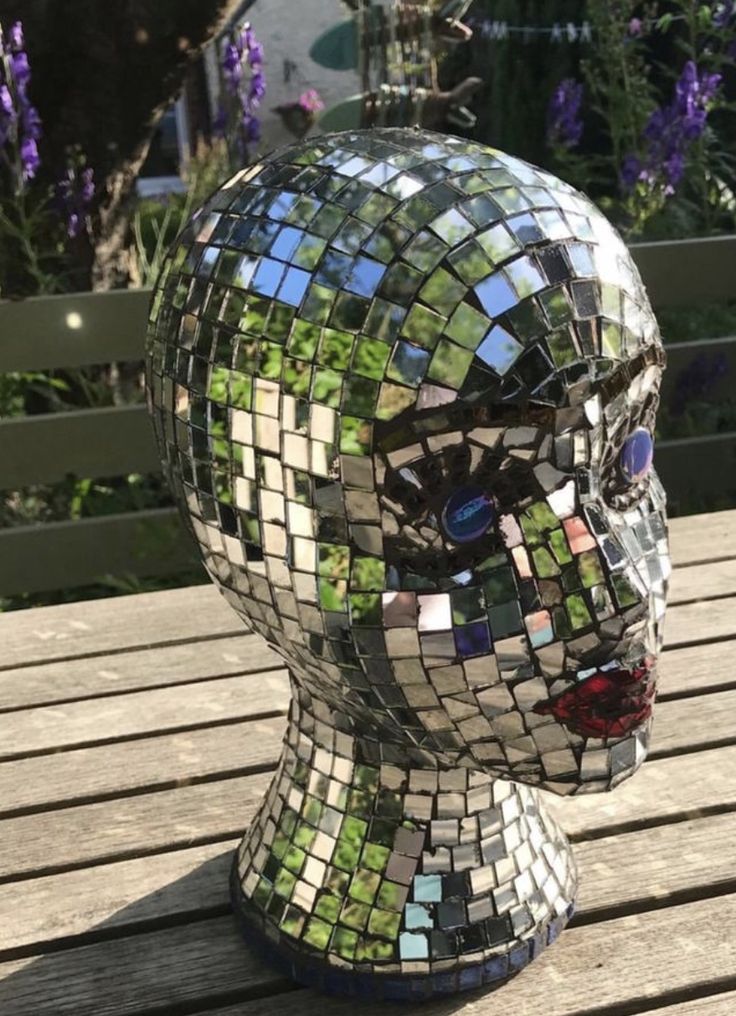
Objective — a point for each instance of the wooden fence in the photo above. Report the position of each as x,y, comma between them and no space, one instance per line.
86,329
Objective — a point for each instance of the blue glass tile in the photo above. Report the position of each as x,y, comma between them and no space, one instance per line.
334,270
282,205
427,888
525,228
473,639
365,277
499,350
471,977
496,968
525,276
413,946
519,957
496,294
444,983
417,916
294,286
581,258
408,364
268,277
286,243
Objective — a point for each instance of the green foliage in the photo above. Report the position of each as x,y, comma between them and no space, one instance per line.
157,222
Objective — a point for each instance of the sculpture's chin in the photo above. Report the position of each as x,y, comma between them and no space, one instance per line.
608,704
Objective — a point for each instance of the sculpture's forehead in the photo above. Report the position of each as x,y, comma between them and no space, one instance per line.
376,272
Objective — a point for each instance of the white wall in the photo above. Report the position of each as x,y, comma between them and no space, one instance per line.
287,29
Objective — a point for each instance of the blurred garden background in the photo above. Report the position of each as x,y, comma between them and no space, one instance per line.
116,120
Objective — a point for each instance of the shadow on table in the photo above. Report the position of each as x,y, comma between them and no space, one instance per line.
174,952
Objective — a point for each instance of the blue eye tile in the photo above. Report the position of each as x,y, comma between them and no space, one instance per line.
467,514
636,455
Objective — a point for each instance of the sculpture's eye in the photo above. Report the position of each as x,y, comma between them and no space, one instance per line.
468,513
635,458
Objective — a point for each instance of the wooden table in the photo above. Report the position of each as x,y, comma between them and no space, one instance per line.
134,752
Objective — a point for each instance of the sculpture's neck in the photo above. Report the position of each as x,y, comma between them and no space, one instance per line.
353,861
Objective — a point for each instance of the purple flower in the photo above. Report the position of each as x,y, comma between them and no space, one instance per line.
257,87
15,37
21,69
29,158
251,128
631,171
31,122
723,13
636,26
75,193
6,103
564,126
236,119
232,68
670,131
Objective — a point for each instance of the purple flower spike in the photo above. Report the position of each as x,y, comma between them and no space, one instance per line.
670,131
21,69
723,13
630,171
29,158
242,57
75,193
564,126
15,37
636,27
6,103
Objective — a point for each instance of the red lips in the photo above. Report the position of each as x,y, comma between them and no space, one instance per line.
610,703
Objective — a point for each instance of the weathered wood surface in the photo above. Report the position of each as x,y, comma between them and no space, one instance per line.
140,754
138,735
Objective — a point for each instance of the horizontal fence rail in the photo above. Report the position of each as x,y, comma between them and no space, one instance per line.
89,443
94,328
66,555
85,328
678,273
46,332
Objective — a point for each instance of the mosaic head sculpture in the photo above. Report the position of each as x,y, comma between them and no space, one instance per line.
404,387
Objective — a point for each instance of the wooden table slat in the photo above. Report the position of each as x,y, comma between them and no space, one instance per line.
617,875
590,969
145,760
137,736
698,622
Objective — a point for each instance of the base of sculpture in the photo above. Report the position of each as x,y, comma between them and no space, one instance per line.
397,879
312,972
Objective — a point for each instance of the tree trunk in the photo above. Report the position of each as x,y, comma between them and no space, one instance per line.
103,74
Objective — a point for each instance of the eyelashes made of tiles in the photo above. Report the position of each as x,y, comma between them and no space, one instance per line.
404,388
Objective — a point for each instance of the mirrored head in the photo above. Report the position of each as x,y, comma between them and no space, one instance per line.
405,388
